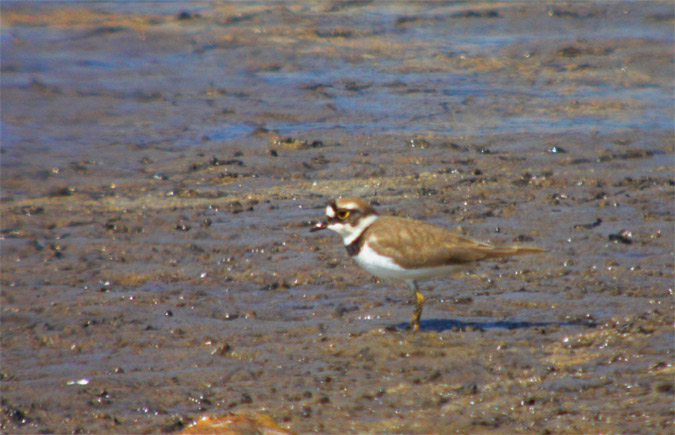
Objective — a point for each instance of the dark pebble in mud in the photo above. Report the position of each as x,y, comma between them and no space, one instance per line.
30,210
557,150
37,245
230,162
16,415
277,285
223,350
419,143
333,33
62,191
354,86
298,144
344,309
477,14
597,223
193,193
561,13
623,236
524,180
665,387
462,300
185,15
116,226
236,207
569,52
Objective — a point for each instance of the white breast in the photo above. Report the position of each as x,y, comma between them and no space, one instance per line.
385,268
379,265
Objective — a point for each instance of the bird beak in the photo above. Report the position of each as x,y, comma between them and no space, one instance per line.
319,226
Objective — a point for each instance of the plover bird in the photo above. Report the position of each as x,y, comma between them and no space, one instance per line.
393,248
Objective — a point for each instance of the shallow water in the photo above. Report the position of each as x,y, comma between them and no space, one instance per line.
162,165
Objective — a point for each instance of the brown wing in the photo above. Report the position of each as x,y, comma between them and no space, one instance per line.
415,244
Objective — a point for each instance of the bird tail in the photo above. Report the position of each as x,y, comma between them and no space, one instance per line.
507,251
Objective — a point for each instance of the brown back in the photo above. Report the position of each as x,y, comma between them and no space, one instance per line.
415,244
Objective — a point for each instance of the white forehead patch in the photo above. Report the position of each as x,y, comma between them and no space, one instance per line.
349,205
330,212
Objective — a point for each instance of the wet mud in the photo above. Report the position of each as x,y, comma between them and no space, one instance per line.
162,165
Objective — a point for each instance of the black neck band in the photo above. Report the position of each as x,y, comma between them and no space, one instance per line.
355,247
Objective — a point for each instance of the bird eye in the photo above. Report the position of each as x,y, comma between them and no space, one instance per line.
343,214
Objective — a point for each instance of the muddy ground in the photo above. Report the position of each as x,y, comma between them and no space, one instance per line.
162,164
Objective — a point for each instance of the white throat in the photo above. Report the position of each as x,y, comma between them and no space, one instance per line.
349,233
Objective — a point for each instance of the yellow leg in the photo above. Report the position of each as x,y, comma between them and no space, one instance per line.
419,303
